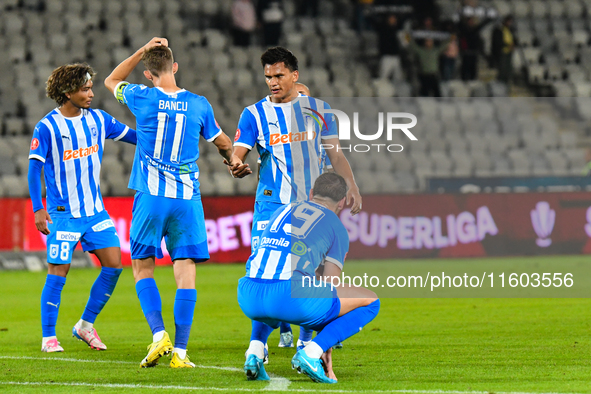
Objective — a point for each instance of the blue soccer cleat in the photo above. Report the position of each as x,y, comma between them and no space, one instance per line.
312,367
254,368
339,345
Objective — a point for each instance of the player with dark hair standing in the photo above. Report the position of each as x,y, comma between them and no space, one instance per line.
280,126
170,122
68,142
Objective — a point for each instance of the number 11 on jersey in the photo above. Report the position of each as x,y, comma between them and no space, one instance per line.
161,136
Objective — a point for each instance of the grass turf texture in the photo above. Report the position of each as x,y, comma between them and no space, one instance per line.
461,345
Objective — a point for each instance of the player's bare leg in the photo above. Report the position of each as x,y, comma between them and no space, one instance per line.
352,297
143,268
184,308
100,293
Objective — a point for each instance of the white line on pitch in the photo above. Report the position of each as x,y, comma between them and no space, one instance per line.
278,383
76,360
171,387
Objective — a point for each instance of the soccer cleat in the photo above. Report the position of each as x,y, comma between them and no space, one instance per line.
89,336
311,367
52,346
157,350
254,368
339,345
302,344
178,362
286,339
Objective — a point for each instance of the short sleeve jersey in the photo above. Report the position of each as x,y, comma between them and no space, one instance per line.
288,137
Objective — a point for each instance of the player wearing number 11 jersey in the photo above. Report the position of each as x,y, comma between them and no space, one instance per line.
170,122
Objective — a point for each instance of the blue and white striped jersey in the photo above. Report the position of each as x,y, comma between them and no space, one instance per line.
288,138
299,237
72,150
168,129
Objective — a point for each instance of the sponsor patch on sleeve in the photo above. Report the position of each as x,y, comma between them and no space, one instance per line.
237,136
34,144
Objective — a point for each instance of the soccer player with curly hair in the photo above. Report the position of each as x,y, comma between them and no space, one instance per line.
68,143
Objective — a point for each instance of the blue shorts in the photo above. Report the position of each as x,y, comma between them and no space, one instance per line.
93,232
180,222
262,213
270,301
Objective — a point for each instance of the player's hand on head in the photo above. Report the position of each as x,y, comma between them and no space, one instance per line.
156,42
354,197
41,219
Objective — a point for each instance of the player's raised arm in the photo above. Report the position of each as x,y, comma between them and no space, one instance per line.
122,71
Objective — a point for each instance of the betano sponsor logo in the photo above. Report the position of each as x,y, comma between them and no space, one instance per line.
80,153
280,139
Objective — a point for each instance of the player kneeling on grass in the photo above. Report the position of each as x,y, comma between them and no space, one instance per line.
279,276
69,142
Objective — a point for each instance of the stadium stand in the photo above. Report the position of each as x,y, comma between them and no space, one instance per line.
474,131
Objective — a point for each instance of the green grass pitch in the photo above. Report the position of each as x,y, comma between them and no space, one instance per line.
415,345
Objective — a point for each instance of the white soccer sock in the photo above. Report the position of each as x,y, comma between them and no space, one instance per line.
47,339
181,352
257,348
313,350
84,324
158,336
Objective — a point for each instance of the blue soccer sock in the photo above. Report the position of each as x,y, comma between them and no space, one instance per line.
284,327
305,334
147,292
260,331
346,326
184,308
50,301
101,292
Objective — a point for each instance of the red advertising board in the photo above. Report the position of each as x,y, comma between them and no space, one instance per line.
228,221
390,226
470,225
